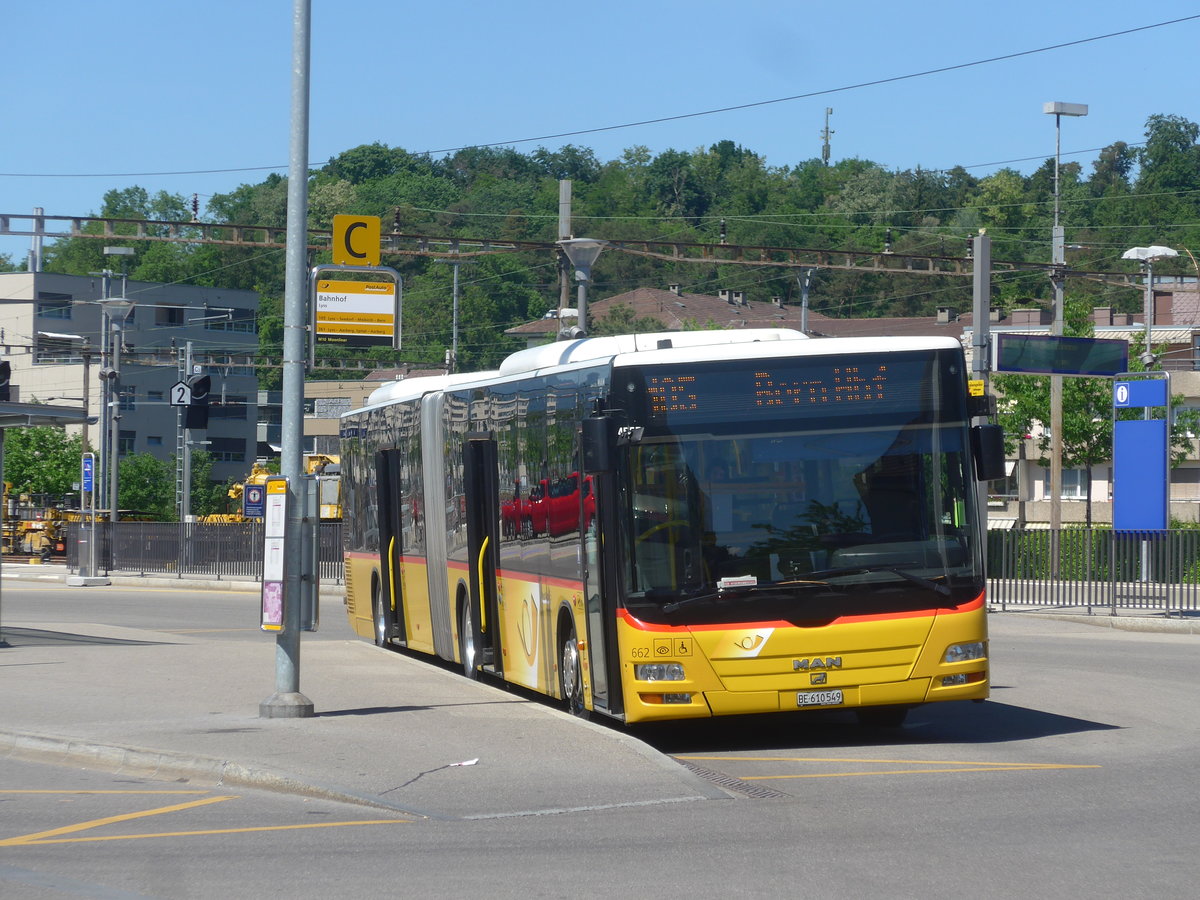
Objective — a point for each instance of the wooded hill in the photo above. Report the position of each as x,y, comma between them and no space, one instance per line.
1128,195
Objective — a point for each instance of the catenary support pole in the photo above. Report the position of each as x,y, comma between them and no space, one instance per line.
287,701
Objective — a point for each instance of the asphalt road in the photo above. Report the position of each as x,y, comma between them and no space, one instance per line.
1074,780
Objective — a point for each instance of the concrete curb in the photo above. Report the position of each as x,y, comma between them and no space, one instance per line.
161,764
1150,624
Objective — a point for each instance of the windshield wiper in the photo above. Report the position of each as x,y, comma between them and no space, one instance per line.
775,591
895,569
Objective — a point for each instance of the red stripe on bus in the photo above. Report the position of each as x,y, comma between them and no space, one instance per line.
969,606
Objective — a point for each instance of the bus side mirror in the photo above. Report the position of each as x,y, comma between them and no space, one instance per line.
987,446
599,440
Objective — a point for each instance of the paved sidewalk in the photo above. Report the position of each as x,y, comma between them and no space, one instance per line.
388,730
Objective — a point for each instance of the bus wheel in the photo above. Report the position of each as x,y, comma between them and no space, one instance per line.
881,716
379,613
466,641
570,674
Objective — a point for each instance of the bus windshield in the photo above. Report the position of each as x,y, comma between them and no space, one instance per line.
845,507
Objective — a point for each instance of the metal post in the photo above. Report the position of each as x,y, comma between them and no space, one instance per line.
185,498
564,232
114,419
454,326
583,276
1148,310
981,255
287,701
805,283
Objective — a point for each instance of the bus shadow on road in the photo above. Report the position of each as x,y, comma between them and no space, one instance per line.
40,637
950,723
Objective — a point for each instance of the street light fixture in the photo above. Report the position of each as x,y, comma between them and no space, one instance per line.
1147,256
582,252
1058,260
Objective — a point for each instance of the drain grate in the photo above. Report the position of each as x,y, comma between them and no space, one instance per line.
720,779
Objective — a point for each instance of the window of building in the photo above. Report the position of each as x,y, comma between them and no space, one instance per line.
1074,484
227,449
240,321
154,396
154,440
125,442
168,315
1009,486
1189,417
232,407
127,394
53,305
56,350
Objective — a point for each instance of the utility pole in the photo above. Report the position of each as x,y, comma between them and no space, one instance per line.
981,255
452,359
825,135
564,232
805,280
287,701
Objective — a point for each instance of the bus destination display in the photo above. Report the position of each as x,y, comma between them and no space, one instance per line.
839,384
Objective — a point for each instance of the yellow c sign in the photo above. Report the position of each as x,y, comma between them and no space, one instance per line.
356,240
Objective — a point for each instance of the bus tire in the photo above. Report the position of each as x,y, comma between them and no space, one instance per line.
466,639
881,716
570,673
379,614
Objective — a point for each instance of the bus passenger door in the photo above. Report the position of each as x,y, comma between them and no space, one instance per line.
391,535
483,548
601,557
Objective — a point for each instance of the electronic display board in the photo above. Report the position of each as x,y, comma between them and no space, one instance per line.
1048,355
890,385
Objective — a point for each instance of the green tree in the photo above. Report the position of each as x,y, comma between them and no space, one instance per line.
42,460
208,496
147,486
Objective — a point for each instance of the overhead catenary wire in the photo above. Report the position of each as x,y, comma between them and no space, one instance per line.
667,118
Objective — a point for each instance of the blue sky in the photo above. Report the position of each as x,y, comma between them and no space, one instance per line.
104,95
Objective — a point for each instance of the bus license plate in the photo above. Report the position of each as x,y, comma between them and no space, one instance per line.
819,698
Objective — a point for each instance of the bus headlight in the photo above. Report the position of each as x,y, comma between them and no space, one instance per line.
956,653
658,672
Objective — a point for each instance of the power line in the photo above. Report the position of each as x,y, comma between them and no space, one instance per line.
661,119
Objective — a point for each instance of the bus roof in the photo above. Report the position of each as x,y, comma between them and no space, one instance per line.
654,347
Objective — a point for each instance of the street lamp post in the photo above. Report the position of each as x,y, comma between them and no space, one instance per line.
582,252
1147,256
1058,259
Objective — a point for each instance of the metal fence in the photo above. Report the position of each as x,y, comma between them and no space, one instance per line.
1096,568
190,549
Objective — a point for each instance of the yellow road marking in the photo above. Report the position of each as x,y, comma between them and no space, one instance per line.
211,831
109,820
47,791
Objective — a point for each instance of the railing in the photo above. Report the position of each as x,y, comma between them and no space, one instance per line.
191,549
1096,568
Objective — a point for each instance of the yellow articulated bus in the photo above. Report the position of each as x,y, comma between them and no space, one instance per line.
666,526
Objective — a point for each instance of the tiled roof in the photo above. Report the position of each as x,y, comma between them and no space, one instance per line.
677,310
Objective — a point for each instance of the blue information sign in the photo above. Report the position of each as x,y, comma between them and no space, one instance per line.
89,472
1140,500
1130,394
1141,473
254,501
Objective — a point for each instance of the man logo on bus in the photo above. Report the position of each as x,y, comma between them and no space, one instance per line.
829,662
